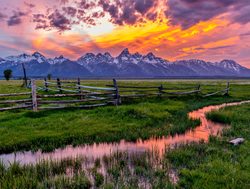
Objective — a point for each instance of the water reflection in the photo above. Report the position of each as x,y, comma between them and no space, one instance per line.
201,132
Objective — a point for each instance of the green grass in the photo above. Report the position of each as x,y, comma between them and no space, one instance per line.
47,130
217,164
213,165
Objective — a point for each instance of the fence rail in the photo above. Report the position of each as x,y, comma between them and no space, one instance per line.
61,94
14,94
24,103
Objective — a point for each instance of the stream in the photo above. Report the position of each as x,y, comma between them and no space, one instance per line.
202,132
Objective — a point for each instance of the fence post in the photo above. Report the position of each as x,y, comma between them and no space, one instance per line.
160,88
34,95
59,86
46,85
227,89
198,89
79,88
117,96
29,85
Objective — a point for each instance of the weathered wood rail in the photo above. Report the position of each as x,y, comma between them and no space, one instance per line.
24,103
61,94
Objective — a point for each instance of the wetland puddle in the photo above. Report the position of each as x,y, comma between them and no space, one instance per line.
202,132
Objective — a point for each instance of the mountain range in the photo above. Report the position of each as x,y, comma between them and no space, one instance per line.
124,65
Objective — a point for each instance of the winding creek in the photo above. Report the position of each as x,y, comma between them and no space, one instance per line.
202,132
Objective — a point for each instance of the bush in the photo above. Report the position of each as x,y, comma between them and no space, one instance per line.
7,74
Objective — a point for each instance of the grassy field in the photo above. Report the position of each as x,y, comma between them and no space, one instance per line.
213,165
25,130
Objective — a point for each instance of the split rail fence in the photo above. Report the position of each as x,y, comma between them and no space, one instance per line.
62,94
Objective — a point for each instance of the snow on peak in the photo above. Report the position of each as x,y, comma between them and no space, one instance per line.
20,58
137,55
23,58
125,53
86,59
2,60
57,60
107,54
230,65
39,57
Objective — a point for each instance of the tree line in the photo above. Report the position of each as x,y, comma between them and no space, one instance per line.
8,75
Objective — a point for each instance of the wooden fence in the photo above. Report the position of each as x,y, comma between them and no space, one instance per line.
72,94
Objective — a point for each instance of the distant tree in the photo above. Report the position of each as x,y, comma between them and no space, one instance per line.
7,74
49,76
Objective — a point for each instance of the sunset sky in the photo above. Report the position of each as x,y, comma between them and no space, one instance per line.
211,30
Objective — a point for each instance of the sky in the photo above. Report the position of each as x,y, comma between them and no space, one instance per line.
211,30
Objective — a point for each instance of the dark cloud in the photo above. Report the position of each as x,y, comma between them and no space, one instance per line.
80,14
143,6
59,21
65,17
54,20
130,11
41,21
190,12
2,16
242,16
30,5
71,11
198,48
152,15
222,47
16,18
185,13
89,12
98,14
86,4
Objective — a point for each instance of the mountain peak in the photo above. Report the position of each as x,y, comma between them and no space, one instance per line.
57,60
228,61
89,55
20,58
229,64
125,52
37,55
24,55
99,55
150,55
137,56
60,57
124,65
107,54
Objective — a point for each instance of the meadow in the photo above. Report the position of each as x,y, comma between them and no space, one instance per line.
141,118
213,165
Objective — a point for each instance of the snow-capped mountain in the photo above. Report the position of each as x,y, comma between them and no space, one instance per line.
229,65
126,64
24,58
39,57
57,60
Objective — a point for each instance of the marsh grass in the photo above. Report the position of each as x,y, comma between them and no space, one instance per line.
117,170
